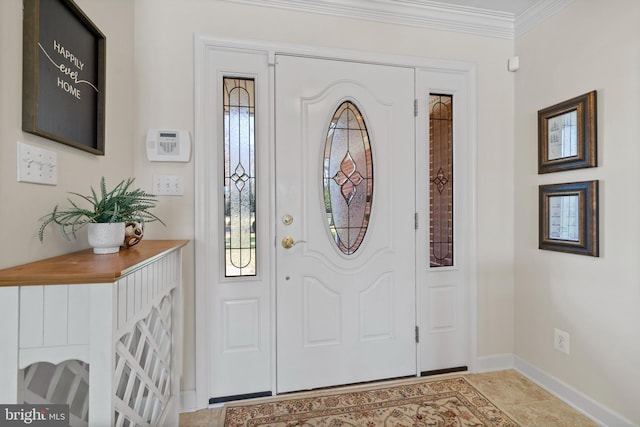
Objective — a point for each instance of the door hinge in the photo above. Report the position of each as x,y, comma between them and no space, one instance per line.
415,221
415,108
417,334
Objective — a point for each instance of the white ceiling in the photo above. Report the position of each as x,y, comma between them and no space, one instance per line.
493,18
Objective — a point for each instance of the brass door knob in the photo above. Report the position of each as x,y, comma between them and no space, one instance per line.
288,242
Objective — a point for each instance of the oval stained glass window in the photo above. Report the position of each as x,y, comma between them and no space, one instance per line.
348,178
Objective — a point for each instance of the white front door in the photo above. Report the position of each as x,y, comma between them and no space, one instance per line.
344,316
313,316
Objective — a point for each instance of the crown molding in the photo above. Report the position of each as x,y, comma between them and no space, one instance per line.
425,14
430,14
537,13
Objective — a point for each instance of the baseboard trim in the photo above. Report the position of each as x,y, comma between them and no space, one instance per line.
600,414
496,362
188,401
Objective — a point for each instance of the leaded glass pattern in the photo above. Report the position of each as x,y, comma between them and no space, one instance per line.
348,178
441,180
239,177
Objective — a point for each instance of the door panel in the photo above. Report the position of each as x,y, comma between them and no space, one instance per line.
238,309
343,318
443,291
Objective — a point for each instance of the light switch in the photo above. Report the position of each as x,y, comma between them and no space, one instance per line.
37,165
168,185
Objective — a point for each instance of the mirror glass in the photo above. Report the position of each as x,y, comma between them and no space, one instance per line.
563,135
564,217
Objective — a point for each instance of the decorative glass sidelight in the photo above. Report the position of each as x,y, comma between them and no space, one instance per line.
441,180
348,178
239,177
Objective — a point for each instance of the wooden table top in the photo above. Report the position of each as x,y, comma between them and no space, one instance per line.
87,267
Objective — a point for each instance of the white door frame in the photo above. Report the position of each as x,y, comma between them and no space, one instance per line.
205,46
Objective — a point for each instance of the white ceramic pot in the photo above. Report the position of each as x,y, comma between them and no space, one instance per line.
106,238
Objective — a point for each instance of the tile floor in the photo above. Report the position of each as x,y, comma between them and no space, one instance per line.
525,402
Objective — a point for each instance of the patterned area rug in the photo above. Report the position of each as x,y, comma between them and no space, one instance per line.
442,403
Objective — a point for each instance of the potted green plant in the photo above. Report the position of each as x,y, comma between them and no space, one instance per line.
106,215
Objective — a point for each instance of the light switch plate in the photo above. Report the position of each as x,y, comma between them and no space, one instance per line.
37,165
168,185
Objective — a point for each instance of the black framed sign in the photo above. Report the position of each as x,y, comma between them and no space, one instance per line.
63,85
569,217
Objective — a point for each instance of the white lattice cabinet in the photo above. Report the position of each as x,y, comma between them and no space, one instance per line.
99,332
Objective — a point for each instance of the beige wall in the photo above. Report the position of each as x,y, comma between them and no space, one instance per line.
22,204
164,88
150,84
596,300
591,45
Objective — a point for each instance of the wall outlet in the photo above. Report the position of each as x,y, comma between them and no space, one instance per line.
561,341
